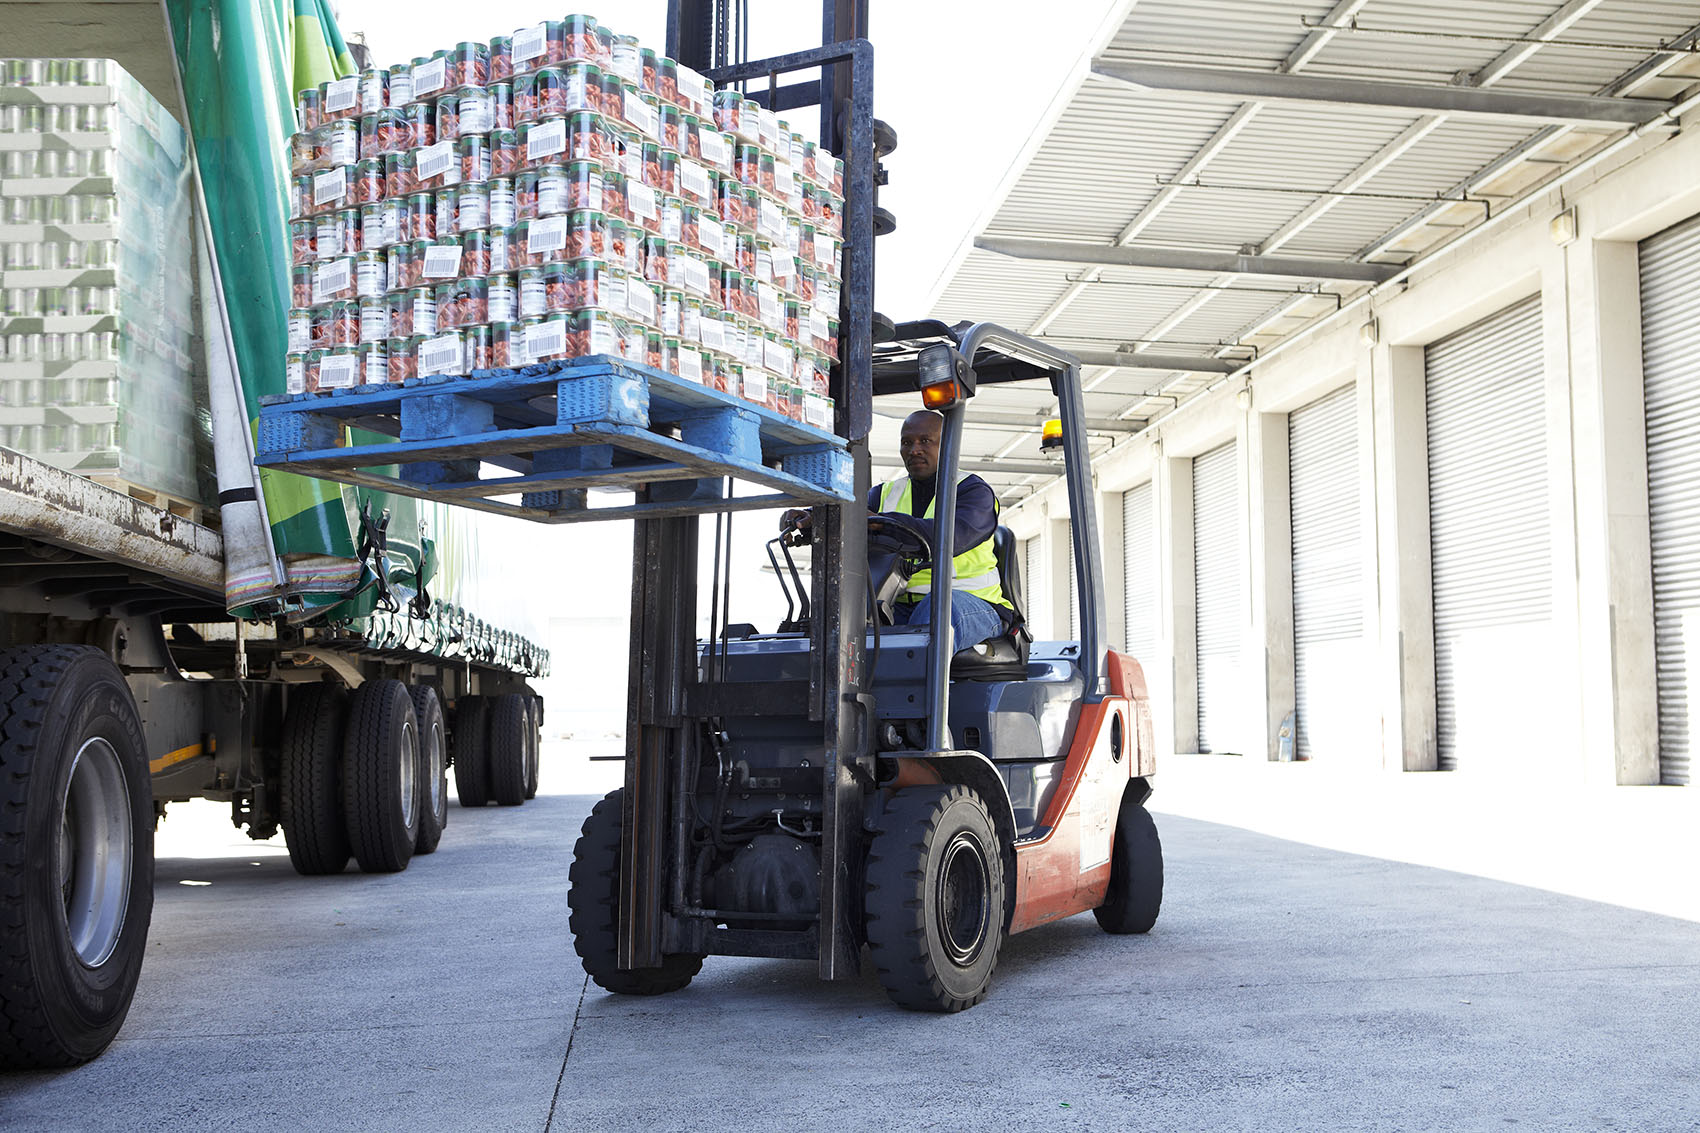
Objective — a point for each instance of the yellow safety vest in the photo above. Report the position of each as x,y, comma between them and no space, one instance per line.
975,571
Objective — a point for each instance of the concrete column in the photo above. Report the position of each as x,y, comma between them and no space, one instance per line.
1614,574
1556,735
1405,631
1110,555
1177,709
1268,650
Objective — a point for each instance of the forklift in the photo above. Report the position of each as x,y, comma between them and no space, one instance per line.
845,781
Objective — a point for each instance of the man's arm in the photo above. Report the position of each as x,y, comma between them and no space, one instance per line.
976,514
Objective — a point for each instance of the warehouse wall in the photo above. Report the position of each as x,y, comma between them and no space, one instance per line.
1583,710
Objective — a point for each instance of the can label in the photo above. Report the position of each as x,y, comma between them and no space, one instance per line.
474,210
533,295
295,373
477,113
371,276
300,331
374,321
374,364
551,193
502,204
503,300
605,338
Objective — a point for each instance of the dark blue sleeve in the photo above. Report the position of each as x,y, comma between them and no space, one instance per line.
874,497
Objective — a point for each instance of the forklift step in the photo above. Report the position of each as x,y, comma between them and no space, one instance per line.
557,430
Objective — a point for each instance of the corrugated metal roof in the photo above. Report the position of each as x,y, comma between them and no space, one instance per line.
1279,177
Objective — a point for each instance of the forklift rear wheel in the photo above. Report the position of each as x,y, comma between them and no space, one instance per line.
935,898
381,791
510,749
472,751
1136,872
433,767
76,853
594,898
311,814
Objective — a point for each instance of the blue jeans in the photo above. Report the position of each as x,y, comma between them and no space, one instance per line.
972,620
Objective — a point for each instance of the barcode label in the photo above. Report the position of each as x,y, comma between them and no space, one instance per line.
712,234
434,161
693,88
818,326
772,219
641,198
642,115
331,185
331,280
442,261
690,366
342,94
696,276
545,340
546,138
755,385
817,411
529,43
546,235
640,301
337,371
777,356
783,179
716,150
696,181
605,339
441,355
823,250
428,77
713,332
772,311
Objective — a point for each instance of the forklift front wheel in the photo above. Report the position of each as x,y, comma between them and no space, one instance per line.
1136,872
594,898
935,898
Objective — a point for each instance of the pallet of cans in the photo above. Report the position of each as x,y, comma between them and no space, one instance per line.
98,369
553,194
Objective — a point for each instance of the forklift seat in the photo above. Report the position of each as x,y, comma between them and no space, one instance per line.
1002,658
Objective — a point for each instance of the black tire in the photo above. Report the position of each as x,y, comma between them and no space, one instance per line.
534,743
381,799
594,898
76,854
433,768
471,741
1136,872
935,898
509,749
311,811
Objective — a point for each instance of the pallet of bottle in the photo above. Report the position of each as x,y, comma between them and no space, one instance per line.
553,432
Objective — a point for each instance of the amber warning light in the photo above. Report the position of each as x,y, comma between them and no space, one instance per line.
1051,435
945,377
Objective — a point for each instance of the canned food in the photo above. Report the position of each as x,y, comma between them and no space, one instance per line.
302,237
374,92
400,85
338,368
430,76
401,176
625,245
587,234
731,202
308,110
437,165
375,224
301,285
500,240
412,312
614,198
690,319
461,303
386,132
374,319
438,259
339,99
468,65
475,255
479,354
625,58
642,303
503,294
506,157
507,345
533,290
475,158
542,141
302,322
729,377
581,87
331,237
537,46
503,209
399,357
444,353
671,311
546,339
372,361
643,205
501,58
403,266
336,143
371,274
419,217
553,191
582,41
649,73
537,242
688,362
295,373
668,83
587,138
369,181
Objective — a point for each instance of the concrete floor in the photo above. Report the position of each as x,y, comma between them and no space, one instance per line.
1287,985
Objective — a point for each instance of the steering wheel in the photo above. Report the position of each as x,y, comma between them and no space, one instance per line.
904,535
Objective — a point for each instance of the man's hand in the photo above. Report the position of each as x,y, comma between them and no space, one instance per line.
796,518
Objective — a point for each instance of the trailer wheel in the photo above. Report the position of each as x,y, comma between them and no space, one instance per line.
381,795
594,898
433,768
313,825
76,854
534,743
935,898
510,749
472,751
1136,872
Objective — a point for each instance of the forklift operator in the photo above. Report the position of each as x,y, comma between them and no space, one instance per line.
978,609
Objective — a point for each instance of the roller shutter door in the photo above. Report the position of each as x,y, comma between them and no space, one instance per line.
1139,573
1491,539
1328,638
1670,320
1216,577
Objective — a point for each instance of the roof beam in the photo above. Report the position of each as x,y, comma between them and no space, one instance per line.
1145,360
1271,86
1067,252
996,467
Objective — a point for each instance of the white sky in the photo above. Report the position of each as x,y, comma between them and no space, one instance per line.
963,82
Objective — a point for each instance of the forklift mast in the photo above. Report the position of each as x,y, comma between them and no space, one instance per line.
666,703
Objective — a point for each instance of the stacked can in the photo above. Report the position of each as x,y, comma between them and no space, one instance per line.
554,194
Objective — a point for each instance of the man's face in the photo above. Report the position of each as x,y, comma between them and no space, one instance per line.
919,445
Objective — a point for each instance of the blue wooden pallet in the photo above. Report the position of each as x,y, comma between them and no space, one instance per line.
553,431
